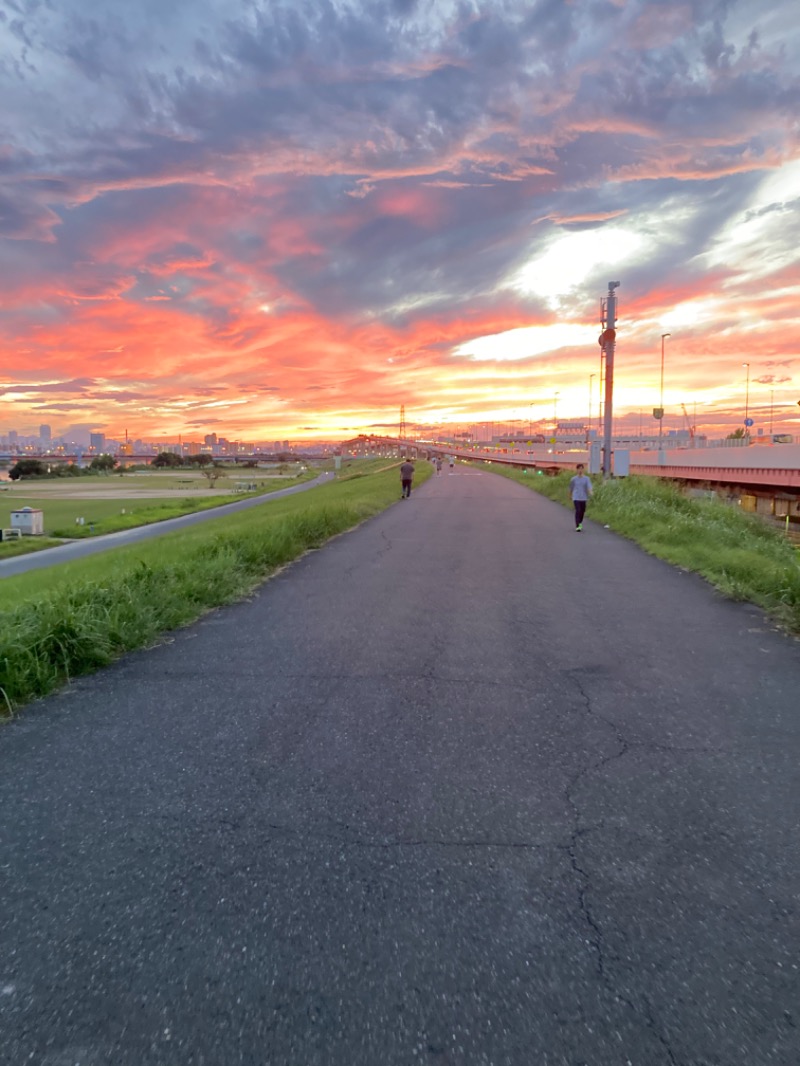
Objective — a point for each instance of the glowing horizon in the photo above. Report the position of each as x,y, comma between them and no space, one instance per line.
286,226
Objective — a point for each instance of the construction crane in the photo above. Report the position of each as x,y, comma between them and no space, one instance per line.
689,425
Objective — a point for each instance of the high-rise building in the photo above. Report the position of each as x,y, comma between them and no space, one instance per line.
45,434
96,441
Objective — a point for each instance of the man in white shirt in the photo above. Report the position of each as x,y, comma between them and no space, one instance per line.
580,489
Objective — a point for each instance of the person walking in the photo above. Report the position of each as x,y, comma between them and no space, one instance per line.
438,464
406,477
580,489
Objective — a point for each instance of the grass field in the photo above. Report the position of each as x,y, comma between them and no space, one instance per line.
123,501
73,618
738,553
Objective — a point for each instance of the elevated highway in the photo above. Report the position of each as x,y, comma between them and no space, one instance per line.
760,478
777,466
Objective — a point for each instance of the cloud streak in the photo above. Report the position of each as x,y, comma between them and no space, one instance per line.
315,210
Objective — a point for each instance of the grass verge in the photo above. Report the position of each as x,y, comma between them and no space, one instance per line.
113,515
738,553
69,620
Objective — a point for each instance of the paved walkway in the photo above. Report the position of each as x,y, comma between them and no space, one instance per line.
462,787
80,549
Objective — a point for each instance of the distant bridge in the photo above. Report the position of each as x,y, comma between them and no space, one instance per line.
765,479
148,457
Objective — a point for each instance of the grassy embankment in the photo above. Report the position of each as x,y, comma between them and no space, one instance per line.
738,553
65,501
74,618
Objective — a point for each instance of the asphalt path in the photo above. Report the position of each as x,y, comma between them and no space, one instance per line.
80,549
462,787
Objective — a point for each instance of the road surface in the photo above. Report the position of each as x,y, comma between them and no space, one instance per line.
80,549
462,787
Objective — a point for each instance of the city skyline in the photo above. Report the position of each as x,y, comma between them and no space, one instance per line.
285,222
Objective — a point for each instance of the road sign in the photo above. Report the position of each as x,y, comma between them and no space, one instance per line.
748,421
658,412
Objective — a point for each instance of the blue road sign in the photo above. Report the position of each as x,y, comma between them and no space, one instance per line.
748,421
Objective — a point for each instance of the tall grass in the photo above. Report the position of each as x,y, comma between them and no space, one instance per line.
69,621
738,553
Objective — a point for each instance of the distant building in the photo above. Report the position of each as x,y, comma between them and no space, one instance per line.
97,442
45,434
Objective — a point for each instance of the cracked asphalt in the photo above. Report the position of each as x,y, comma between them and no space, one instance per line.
461,787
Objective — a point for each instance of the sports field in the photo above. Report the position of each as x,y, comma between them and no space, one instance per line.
87,506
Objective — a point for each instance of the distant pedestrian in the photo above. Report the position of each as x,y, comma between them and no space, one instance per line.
438,464
580,489
451,460
406,477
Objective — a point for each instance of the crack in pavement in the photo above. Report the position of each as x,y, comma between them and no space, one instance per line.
595,939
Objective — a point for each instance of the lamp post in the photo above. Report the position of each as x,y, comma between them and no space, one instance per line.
771,410
661,399
746,399
555,416
530,419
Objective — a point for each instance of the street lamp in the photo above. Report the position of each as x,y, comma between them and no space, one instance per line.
661,400
746,397
555,415
771,410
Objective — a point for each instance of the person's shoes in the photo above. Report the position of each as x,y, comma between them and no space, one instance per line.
579,529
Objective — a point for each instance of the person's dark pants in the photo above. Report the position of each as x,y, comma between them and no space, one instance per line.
406,481
580,511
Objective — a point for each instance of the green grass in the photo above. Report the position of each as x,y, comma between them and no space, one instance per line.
69,620
738,553
110,516
26,545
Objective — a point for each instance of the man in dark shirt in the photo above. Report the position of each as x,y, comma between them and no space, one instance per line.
406,477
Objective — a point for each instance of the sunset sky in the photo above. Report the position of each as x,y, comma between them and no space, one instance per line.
283,219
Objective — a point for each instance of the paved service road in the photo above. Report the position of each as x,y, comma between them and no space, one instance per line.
463,787
79,549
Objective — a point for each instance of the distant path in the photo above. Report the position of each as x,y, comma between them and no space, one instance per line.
79,549
462,788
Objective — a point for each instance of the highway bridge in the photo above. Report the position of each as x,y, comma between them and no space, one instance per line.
7,457
761,478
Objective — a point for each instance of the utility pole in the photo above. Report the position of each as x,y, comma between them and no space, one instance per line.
607,340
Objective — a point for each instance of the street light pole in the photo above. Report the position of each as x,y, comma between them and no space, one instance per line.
555,416
747,398
771,409
661,400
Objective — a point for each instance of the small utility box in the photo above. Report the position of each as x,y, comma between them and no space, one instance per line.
29,521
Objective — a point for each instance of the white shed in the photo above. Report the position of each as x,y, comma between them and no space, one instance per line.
29,520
